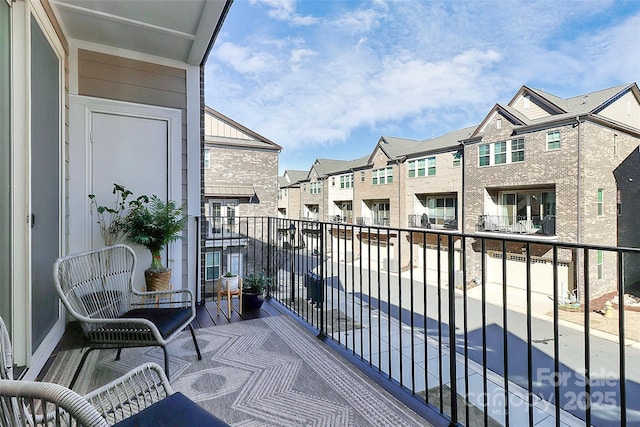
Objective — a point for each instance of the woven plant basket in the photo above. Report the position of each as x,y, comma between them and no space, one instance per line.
157,280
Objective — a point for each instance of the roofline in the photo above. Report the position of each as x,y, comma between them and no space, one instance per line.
214,36
277,149
496,107
539,95
238,125
630,86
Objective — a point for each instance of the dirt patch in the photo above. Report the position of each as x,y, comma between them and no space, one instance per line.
600,320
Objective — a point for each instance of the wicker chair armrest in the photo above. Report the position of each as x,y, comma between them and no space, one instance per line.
61,403
131,393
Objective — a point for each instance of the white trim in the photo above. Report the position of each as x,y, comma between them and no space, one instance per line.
21,14
20,257
81,109
194,189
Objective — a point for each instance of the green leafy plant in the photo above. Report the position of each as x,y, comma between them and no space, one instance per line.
255,283
154,223
111,219
229,274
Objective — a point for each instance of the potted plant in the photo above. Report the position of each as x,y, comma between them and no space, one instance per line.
111,219
230,281
253,287
154,223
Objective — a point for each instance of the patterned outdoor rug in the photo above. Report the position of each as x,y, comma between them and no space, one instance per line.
267,371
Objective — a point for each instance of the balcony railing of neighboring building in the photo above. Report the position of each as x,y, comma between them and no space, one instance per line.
219,227
519,225
339,219
435,222
373,221
474,326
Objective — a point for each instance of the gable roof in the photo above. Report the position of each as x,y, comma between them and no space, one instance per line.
295,176
249,138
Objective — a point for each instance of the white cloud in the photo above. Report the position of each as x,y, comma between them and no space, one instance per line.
244,59
285,10
413,68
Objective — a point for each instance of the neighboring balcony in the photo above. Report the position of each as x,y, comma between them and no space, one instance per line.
545,226
433,222
376,221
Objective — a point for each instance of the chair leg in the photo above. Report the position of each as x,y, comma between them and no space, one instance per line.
77,374
166,361
195,342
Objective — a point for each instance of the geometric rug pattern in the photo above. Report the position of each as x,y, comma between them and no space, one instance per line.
262,372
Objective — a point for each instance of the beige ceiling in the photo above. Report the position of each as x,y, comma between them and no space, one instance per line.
175,29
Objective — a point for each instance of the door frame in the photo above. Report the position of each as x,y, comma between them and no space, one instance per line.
21,295
81,109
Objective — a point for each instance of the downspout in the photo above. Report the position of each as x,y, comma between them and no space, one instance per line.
579,278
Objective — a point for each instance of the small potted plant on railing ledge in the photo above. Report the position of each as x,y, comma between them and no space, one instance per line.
253,287
230,281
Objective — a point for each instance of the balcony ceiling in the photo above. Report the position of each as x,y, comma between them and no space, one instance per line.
175,29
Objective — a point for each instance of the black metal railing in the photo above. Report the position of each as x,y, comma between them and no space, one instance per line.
483,329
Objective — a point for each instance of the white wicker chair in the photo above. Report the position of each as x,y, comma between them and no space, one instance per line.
29,403
96,287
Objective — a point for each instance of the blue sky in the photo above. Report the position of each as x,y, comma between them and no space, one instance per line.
326,79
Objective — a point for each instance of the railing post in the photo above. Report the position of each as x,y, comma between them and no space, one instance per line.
323,282
452,330
269,254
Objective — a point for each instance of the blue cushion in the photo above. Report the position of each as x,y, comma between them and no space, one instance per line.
176,410
167,320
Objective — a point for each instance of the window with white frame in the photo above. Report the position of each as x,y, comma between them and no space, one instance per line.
212,266
422,167
382,176
501,152
315,187
234,263
457,159
207,159
362,178
517,150
346,181
553,140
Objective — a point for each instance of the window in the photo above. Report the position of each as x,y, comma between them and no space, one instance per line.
279,194
315,187
362,179
382,176
600,201
381,213
346,181
553,140
498,123
619,201
234,263
207,158
441,209
600,265
529,208
333,181
431,166
212,266
484,155
457,157
517,150
527,101
502,152
615,144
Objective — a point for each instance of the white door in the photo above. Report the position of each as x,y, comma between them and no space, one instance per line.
133,152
